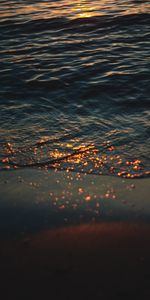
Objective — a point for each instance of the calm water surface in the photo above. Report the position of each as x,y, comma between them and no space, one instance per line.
75,85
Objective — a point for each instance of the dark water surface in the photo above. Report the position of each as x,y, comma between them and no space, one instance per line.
75,85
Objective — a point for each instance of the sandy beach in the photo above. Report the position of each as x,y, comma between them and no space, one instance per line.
101,260
47,248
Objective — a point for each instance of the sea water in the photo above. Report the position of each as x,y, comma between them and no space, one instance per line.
75,86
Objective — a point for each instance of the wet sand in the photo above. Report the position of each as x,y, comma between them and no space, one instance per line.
92,260
33,200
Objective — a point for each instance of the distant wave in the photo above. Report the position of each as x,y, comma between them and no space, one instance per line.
61,23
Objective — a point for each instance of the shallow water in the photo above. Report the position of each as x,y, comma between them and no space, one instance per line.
75,87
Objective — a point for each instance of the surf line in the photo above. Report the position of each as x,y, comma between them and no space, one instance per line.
52,161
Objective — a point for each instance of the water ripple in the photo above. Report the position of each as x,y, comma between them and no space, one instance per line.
75,76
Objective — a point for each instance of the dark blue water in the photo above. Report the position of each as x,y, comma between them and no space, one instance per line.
75,86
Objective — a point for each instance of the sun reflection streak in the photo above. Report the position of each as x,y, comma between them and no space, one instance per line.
71,9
